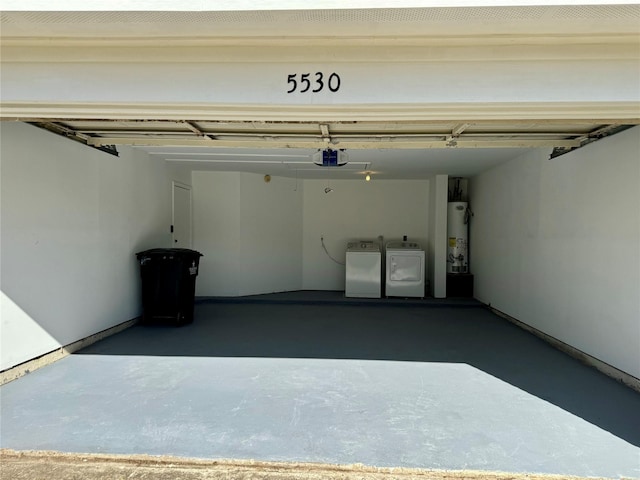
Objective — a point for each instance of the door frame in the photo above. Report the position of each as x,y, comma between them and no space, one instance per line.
175,184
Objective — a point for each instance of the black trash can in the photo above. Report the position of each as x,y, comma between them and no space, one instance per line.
168,284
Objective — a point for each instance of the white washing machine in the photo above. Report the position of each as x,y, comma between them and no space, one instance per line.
406,270
363,270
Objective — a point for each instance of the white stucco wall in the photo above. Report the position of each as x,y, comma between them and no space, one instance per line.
216,231
270,234
437,244
556,244
249,231
357,210
72,220
213,82
260,237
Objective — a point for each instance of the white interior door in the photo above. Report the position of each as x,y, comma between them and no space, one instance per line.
181,216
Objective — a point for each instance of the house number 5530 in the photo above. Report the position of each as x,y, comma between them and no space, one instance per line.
312,82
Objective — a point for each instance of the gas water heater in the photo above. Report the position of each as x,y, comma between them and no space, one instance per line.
457,237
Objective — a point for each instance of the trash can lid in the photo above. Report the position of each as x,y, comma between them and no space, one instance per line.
168,251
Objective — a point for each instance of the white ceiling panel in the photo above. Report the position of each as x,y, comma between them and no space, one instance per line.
382,164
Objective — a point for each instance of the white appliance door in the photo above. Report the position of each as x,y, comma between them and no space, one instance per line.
405,268
363,277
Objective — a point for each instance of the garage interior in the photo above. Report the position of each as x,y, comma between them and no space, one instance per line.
106,114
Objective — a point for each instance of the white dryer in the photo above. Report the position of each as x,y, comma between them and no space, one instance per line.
406,270
363,270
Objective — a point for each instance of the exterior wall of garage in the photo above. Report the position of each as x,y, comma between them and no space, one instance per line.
556,244
249,81
72,220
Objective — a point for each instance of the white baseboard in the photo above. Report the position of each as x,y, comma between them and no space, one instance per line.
22,369
609,370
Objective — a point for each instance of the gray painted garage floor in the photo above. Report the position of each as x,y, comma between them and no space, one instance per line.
415,384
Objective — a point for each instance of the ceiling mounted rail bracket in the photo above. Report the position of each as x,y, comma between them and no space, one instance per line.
197,130
66,132
326,136
452,140
593,136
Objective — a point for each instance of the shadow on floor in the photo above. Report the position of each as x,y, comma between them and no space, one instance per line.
449,334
